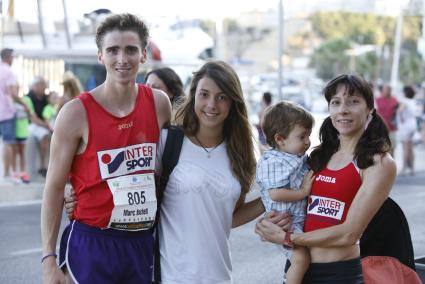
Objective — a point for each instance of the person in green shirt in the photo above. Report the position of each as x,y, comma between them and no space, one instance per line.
23,131
50,110
22,134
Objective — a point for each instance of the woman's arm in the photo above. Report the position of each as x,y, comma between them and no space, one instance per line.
246,212
70,203
367,202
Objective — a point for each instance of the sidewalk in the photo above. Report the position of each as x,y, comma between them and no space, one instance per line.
33,192
10,193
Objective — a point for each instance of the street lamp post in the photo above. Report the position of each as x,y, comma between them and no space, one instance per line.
41,22
66,25
280,51
396,57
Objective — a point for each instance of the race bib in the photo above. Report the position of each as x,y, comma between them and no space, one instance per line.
325,207
134,202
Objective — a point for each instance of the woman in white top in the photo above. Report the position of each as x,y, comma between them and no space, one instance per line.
205,195
406,125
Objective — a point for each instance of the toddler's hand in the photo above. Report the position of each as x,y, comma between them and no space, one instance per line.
307,182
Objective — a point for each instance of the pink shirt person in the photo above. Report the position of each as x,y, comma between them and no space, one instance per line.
7,79
386,106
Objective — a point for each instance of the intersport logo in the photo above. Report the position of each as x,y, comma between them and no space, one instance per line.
326,207
126,160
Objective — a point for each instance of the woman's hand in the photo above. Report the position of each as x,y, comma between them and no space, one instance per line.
270,232
70,203
283,220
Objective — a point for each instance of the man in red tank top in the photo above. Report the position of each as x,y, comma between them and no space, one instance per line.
386,106
106,141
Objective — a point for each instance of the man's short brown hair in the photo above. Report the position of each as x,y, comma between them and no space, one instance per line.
282,117
122,22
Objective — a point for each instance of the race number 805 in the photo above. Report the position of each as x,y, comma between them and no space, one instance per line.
136,197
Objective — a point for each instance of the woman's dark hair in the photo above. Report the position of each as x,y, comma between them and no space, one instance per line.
375,139
172,81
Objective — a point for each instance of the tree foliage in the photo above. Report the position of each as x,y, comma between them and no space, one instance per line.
355,29
330,58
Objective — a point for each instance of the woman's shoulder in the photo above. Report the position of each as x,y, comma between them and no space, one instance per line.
383,163
385,159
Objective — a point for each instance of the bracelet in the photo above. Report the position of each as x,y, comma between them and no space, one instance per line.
48,255
287,240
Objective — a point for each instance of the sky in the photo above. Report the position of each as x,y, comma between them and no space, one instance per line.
24,9
164,12
201,9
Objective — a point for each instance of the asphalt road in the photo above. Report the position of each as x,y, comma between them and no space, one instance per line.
253,261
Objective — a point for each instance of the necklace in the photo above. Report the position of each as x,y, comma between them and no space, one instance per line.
205,149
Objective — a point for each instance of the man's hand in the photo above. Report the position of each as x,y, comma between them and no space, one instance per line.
52,274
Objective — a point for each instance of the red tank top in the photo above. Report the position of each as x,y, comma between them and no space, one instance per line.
331,196
115,147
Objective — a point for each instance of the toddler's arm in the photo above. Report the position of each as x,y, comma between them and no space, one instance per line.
290,195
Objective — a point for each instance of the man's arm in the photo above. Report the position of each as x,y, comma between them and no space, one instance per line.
65,141
162,107
13,91
36,120
31,113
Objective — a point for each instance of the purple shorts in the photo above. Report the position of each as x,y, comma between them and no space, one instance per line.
93,255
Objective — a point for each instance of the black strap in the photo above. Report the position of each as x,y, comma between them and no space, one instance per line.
170,157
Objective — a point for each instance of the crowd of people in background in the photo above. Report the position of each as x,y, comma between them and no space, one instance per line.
404,116
31,116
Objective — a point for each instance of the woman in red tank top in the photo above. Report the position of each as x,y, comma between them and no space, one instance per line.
346,192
